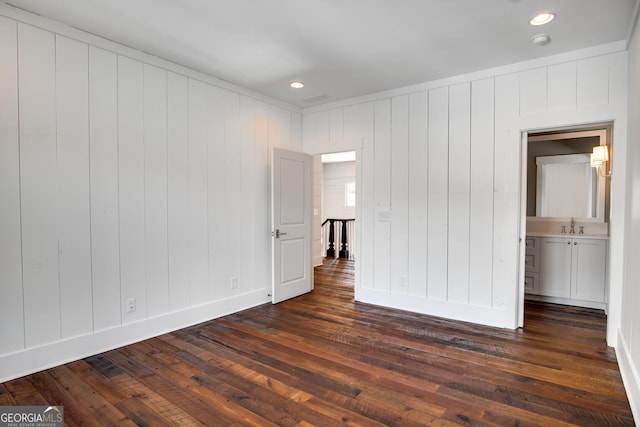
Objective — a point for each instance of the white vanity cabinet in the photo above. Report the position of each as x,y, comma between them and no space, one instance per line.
589,269
571,270
555,263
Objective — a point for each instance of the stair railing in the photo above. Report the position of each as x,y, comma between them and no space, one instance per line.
331,241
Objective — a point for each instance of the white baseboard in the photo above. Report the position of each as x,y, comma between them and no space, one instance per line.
566,301
25,362
630,376
489,316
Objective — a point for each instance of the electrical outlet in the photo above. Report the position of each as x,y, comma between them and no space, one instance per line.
403,282
131,305
234,282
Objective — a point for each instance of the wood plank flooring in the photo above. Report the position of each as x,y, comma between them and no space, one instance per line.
323,360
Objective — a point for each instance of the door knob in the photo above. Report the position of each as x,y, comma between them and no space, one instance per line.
278,233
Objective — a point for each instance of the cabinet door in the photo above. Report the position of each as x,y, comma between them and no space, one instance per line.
588,269
555,267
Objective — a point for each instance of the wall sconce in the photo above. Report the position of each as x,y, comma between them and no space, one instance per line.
599,156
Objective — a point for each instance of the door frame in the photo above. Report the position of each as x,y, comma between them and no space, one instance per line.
522,228
358,210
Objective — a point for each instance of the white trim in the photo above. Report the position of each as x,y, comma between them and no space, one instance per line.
486,316
600,50
616,114
630,376
56,27
566,301
25,362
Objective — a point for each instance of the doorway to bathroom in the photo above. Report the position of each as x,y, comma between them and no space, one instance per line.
565,205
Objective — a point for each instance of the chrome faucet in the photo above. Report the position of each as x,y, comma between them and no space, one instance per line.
572,230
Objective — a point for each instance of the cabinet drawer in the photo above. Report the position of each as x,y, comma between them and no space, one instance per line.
531,283
531,244
531,263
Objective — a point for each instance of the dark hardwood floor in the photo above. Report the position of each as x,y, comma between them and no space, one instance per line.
321,359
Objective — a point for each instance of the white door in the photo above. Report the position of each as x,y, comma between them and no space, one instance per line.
291,195
523,228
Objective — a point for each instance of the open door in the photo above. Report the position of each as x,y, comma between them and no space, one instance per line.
291,192
522,228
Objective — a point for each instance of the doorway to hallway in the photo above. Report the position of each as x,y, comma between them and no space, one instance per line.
335,196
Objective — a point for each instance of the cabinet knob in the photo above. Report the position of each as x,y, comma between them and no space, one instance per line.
568,243
575,243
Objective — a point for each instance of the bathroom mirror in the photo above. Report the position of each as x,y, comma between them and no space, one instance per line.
561,183
567,186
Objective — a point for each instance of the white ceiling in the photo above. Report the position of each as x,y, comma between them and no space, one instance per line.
341,48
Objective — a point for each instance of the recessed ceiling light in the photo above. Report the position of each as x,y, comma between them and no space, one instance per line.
542,18
296,85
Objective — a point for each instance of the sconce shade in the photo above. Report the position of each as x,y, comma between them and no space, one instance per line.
600,155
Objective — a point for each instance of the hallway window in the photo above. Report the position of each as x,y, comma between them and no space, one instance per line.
350,194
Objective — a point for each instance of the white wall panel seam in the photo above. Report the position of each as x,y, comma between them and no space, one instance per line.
391,150
407,179
448,184
55,89
144,190
118,179
493,204
519,75
166,130
426,261
93,314
24,315
469,195
373,193
547,88
493,188
188,148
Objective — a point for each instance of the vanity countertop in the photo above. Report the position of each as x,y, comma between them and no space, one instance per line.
568,235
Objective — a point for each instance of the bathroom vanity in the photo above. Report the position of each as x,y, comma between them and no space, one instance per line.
567,269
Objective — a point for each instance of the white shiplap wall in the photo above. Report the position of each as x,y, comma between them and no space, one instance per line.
443,160
628,349
122,176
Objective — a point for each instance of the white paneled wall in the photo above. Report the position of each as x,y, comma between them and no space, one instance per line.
72,182
123,177
417,195
38,189
460,229
440,172
628,350
155,189
12,302
437,164
103,180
